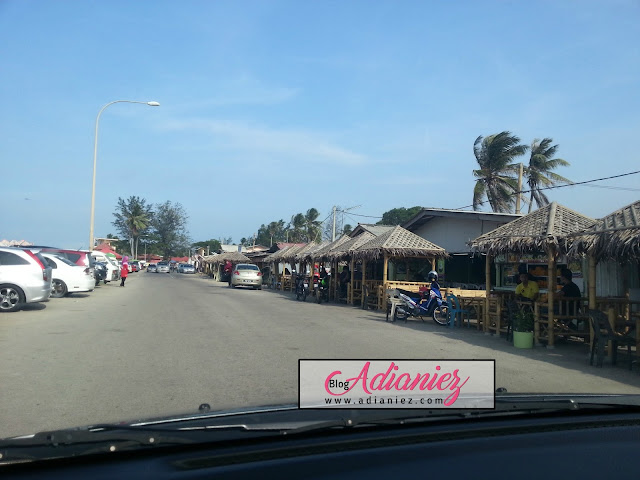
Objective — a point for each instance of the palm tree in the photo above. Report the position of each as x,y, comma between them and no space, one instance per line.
312,224
495,178
297,225
539,172
133,218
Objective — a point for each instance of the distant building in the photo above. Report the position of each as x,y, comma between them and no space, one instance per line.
452,229
15,243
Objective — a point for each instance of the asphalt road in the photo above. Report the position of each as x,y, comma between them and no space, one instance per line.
166,343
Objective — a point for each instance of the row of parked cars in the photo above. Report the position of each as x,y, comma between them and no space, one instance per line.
167,267
36,273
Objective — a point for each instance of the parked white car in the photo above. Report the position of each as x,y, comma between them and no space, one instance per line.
25,277
68,277
113,269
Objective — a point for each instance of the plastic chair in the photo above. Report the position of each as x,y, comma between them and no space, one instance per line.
453,303
603,333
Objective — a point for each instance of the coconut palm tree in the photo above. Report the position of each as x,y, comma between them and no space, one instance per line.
312,224
539,172
495,178
133,218
296,228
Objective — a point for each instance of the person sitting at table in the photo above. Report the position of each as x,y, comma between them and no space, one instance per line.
569,290
526,289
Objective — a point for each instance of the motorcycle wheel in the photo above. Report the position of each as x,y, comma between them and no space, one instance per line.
441,315
304,296
319,297
298,296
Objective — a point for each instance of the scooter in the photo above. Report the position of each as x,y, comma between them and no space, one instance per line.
302,287
404,305
323,289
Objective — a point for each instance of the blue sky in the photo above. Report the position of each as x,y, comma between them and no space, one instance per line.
269,108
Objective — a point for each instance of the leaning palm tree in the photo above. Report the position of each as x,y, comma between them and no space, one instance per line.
495,178
539,172
312,224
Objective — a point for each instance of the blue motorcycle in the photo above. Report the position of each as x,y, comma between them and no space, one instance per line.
405,304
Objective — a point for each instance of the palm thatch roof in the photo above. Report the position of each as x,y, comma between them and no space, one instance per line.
347,248
290,254
305,254
323,251
399,242
373,228
234,257
549,226
614,237
287,250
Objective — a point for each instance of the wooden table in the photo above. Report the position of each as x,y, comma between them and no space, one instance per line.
477,303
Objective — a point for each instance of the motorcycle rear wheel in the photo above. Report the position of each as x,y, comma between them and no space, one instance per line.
441,315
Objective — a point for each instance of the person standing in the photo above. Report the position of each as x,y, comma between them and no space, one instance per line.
124,271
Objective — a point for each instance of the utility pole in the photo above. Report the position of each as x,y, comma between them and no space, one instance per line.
519,189
333,234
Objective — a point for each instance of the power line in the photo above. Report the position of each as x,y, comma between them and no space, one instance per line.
572,184
359,215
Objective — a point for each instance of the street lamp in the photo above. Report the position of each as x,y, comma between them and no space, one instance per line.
95,160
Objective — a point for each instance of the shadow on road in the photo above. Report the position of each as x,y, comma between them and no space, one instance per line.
32,307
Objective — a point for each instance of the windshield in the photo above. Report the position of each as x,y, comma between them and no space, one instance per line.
63,260
449,181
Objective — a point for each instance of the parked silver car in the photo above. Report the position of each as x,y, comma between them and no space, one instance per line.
186,268
247,275
25,277
163,267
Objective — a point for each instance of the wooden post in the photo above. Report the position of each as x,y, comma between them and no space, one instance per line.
551,286
591,287
353,266
433,263
536,322
487,279
611,313
385,267
364,276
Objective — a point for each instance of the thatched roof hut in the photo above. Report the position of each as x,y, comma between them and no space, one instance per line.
233,257
614,237
549,226
398,242
325,249
289,255
347,248
304,255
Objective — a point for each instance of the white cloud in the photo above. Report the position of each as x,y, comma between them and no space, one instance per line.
290,144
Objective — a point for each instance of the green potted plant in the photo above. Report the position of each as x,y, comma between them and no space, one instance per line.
523,329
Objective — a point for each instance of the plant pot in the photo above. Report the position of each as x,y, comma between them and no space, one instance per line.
523,339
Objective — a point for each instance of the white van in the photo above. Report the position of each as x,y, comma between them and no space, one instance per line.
113,270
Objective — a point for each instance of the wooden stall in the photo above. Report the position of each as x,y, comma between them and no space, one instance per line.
545,231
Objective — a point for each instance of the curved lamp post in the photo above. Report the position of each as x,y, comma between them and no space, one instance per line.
95,160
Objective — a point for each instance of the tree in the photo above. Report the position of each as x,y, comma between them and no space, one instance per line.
539,172
347,229
312,224
495,178
170,229
397,216
133,218
296,228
